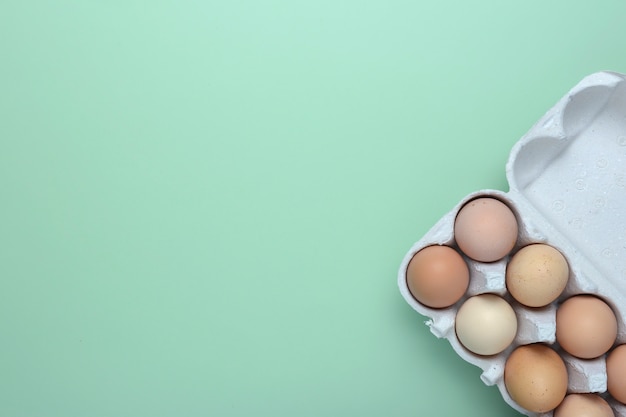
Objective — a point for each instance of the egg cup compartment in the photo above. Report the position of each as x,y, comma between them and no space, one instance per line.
567,179
535,324
486,277
585,375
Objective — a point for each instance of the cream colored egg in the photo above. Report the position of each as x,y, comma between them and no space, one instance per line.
486,324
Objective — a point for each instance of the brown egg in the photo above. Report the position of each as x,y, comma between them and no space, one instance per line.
584,405
485,229
586,326
437,276
616,373
535,377
537,275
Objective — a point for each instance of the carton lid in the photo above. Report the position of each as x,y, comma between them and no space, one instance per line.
571,168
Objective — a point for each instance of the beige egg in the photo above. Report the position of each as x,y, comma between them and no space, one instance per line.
536,275
584,405
616,373
437,276
535,377
486,324
586,327
485,229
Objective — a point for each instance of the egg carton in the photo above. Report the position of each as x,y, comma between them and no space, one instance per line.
567,179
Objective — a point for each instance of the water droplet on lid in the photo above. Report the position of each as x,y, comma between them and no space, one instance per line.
580,184
576,223
599,202
558,205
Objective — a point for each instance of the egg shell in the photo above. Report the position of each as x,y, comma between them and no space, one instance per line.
586,327
535,377
485,229
486,324
437,276
616,373
584,405
537,275
566,180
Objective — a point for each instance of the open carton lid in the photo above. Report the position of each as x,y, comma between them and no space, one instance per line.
567,180
571,168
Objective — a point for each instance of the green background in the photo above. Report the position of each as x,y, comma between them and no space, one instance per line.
203,205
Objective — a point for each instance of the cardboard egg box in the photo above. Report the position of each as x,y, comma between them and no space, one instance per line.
567,179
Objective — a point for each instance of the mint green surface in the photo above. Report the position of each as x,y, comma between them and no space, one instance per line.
203,205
